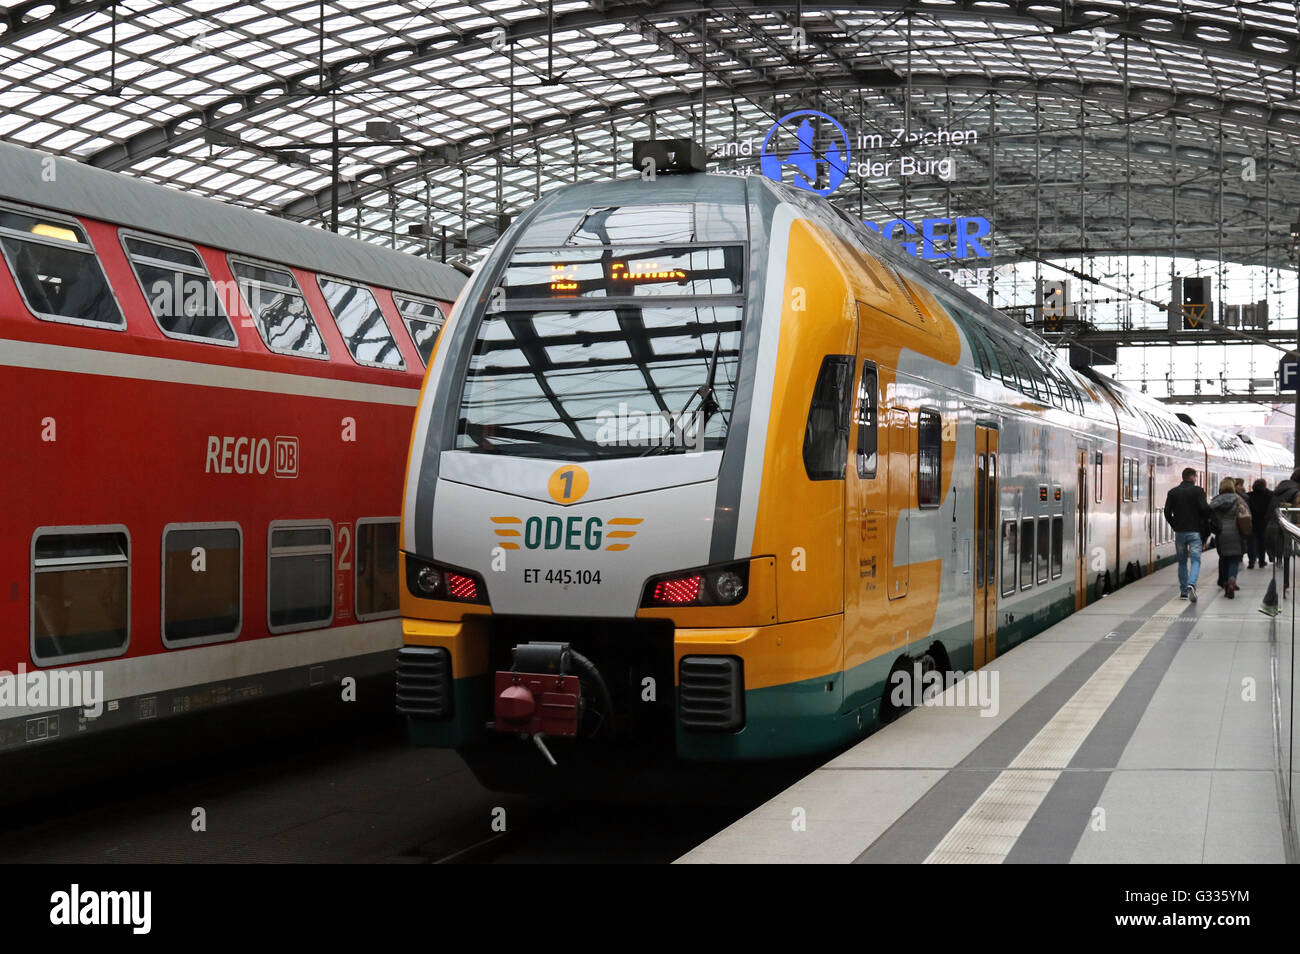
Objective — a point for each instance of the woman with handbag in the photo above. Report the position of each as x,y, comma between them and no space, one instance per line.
1232,524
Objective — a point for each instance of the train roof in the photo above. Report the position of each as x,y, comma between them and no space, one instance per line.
64,185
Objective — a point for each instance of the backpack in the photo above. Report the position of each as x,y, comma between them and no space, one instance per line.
1244,524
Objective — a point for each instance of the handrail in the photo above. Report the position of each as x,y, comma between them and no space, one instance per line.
1286,699
1293,528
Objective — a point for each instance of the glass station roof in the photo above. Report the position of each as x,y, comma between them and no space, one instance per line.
1094,126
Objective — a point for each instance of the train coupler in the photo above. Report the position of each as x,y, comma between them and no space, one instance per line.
538,697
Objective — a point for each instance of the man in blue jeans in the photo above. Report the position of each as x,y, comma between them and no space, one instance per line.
1186,511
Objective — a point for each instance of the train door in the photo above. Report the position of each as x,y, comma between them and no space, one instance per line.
1081,534
900,501
865,539
1151,517
986,544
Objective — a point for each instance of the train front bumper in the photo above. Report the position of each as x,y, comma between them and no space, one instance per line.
759,692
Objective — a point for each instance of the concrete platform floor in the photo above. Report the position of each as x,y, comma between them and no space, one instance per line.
1138,730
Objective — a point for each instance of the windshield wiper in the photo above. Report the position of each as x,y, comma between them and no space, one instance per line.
708,403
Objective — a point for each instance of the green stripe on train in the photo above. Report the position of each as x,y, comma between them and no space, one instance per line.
782,721
800,718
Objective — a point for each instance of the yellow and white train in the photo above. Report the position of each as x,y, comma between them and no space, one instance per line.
700,460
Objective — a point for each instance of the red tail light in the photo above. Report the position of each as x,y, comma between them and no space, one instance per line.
684,589
462,587
720,585
437,581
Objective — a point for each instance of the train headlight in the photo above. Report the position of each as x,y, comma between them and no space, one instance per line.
728,586
707,586
435,581
429,581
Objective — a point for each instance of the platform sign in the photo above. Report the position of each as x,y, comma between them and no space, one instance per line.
1288,373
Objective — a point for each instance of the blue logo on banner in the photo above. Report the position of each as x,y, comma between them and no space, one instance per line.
803,159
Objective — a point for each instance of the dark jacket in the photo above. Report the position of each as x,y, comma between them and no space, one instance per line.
1286,492
1226,507
1185,508
1263,508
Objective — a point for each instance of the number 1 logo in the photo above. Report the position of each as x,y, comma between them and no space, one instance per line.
568,484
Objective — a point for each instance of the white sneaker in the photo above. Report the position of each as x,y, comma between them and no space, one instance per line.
1191,593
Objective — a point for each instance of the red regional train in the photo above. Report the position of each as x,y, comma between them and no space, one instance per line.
206,415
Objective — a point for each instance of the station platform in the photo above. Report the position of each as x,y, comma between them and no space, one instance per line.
1139,730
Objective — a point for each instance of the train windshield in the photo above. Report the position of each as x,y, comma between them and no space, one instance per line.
637,374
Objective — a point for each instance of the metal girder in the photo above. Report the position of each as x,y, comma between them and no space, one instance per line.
1206,336
1156,149
1219,37
17,22
1148,99
1259,397
280,92
386,177
382,178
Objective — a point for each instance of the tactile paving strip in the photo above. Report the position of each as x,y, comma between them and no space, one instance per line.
989,829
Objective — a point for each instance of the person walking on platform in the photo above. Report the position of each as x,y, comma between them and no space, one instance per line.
1232,525
1248,541
1263,518
1186,511
1285,496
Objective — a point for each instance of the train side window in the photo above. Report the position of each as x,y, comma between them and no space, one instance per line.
1053,390
1026,553
359,320
929,459
424,319
868,432
81,593
991,518
1097,475
992,353
56,269
1044,548
1039,380
1125,478
826,435
1028,378
299,575
1024,382
977,350
376,568
1007,369
178,289
1009,562
1058,545
279,310
202,583
1038,386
